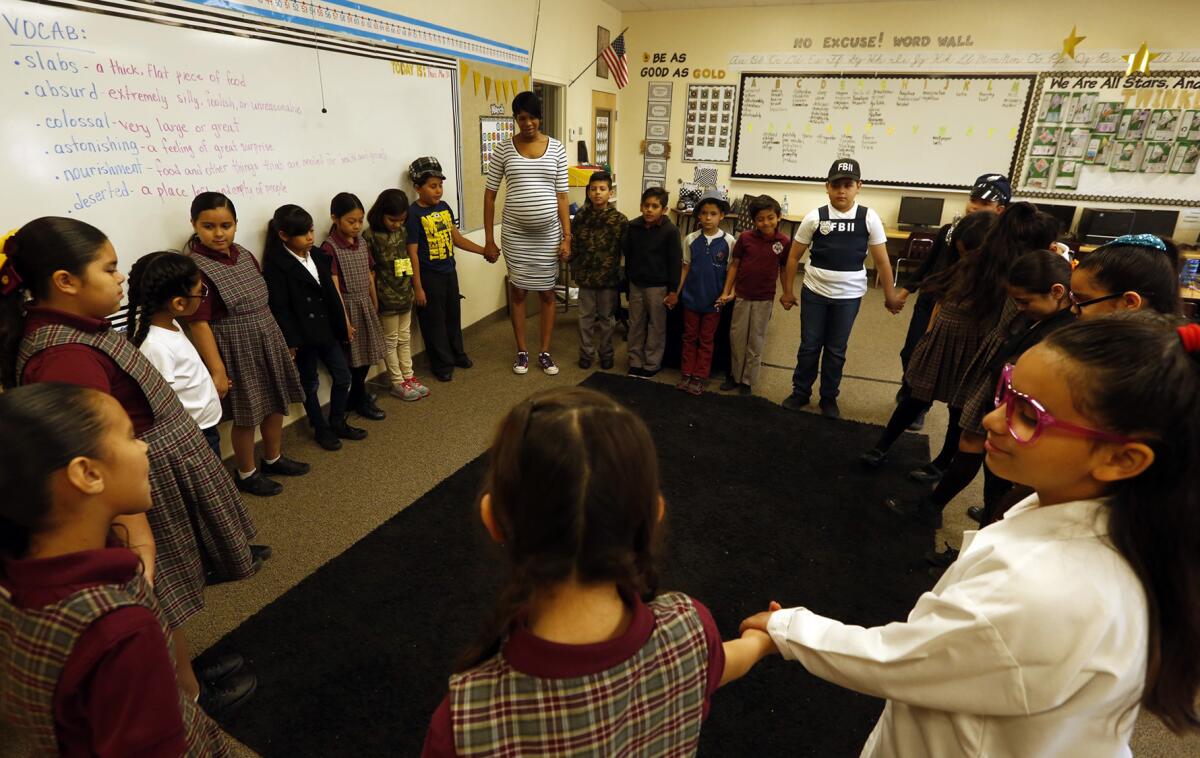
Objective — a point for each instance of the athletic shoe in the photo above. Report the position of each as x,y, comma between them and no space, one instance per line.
257,484
795,401
697,386
829,408
405,392
521,365
415,383
729,384
285,467
547,363
684,382
637,372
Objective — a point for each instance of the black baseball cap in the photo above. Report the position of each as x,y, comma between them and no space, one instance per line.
424,167
845,168
992,187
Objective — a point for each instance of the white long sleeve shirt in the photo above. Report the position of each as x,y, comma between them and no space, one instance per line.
1034,643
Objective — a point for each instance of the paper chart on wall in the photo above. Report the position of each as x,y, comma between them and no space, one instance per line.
493,132
708,127
1139,136
933,131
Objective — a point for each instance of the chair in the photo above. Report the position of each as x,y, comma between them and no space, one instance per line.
919,245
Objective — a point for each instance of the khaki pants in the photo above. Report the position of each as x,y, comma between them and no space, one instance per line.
647,327
747,335
397,337
596,319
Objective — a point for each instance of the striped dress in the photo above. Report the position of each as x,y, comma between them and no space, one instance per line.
530,232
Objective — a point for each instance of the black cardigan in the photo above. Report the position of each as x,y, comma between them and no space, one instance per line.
309,314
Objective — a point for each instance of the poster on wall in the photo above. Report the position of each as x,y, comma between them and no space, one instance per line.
708,129
658,132
493,131
1140,142
601,141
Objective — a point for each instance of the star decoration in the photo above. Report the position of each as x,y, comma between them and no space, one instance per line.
1139,62
1070,42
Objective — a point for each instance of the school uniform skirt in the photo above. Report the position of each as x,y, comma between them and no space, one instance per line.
976,393
941,356
367,348
262,373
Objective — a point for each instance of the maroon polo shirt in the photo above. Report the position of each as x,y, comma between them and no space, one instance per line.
328,248
212,307
117,695
758,264
84,366
541,658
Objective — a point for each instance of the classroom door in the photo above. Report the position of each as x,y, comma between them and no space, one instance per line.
604,111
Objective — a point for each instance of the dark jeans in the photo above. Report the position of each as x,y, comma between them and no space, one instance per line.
335,362
441,320
213,438
825,325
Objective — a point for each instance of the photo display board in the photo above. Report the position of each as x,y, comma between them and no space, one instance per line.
1110,137
935,131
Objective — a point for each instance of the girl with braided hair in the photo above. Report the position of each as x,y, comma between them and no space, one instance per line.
164,286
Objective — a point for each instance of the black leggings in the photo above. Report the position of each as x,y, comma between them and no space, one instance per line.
907,411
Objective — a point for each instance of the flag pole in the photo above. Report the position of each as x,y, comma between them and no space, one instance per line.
593,60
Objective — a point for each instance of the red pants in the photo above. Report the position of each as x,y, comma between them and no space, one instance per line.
698,332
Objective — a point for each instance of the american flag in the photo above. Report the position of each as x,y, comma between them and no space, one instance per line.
614,56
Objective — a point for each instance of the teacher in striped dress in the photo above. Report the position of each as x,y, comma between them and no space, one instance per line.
536,227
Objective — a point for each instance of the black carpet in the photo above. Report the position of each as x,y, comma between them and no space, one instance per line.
763,503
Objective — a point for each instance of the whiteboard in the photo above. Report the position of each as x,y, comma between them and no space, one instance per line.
122,121
937,131
1105,136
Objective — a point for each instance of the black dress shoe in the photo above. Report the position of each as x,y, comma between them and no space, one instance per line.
975,513
213,666
285,467
829,408
744,389
795,401
585,362
257,484
443,376
923,511
346,432
226,696
211,578
606,363
368,410
728,385
463,361
943,559
328,439
261,552
918,424
873,458
927,474
636,372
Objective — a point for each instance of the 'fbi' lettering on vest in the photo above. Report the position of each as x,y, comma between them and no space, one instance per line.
831,226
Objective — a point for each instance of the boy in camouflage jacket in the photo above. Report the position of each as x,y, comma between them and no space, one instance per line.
595,259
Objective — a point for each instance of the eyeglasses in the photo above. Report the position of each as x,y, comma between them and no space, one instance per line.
1078,305
203,291
1027,418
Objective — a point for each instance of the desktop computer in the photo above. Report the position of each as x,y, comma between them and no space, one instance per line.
1157,222
920,213
1100,225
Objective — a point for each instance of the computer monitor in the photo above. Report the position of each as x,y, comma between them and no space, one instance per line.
920,212
1156,222
1100,225
1064,213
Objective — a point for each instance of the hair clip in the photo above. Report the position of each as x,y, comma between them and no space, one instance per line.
1139,240
1189,335
10,280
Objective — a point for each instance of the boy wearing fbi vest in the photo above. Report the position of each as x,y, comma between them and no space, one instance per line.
839,236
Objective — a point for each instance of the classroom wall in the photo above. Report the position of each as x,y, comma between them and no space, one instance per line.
710,36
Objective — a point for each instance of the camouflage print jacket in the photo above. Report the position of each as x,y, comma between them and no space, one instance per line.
596,247
393,270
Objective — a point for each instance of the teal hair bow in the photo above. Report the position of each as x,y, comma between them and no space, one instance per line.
1139,240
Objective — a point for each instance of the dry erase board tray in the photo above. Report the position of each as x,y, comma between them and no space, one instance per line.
931,131
1103,136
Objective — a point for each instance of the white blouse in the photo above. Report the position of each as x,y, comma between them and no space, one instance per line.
1034,643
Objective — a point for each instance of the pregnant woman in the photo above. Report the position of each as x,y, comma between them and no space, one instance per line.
535,227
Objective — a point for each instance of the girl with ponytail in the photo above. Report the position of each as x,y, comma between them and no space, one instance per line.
164,286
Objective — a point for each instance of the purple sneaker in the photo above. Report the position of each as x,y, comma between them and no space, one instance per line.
547,364
521,365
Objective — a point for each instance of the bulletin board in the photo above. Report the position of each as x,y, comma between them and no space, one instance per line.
708,126
913,130
485,92
1105,136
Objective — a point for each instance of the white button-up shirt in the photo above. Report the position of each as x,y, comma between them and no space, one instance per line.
1033,643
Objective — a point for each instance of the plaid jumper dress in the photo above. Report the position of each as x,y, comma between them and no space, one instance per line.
198,517
35,644
651,704
262,373
354,271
